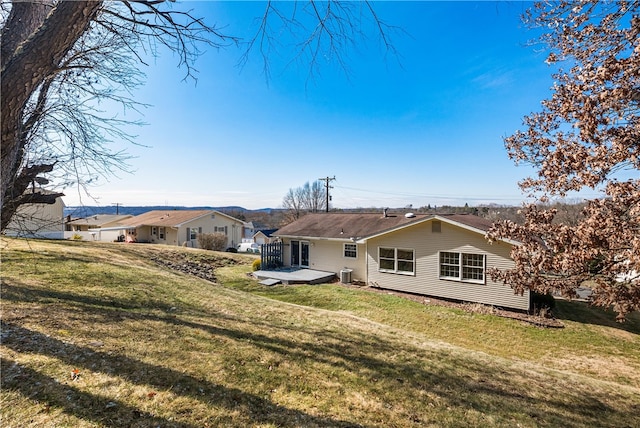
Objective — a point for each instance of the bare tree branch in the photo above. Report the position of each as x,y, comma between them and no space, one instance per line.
327,32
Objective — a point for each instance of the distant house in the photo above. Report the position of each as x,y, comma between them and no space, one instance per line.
443,256
95,222
249,231
179,227
38,220
91,228
264,236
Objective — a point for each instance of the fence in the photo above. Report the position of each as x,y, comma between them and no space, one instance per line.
271,256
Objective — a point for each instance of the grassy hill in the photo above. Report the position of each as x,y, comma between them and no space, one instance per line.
103,335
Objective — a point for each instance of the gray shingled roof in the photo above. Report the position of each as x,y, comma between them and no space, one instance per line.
362,225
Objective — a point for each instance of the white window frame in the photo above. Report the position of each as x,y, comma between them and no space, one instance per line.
396,261
349,248
154,230
450,263
464,266
161,233
193,233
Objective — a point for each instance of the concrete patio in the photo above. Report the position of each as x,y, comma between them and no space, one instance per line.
293,276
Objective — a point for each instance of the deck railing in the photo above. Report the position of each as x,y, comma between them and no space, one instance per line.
271,256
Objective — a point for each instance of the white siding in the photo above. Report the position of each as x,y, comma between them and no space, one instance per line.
178,235
95,235
427,245
261,239
328,256
172,236
208,224
286,252
38,221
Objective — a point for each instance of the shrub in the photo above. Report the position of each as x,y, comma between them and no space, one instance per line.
212,241
542,304
76,237
256,265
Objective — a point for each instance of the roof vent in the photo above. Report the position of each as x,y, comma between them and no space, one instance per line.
409,215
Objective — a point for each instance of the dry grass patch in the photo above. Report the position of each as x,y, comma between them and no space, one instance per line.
153,347
610,368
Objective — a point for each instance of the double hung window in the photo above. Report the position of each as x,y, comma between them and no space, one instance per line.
396,260
350,251
193,233
465,267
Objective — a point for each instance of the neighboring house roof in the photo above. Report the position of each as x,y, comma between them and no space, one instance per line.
266,232
366,225
99,220
170,218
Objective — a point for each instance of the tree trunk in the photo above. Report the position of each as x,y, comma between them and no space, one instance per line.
36,45
23,20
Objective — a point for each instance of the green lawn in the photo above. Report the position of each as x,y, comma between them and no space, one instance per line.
100,335
592,342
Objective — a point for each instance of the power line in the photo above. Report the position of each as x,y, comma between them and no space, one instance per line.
449,197
431,196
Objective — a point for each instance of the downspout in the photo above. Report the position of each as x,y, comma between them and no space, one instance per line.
366,261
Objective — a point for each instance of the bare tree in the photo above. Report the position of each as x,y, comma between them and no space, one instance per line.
61,59
586,134
310,198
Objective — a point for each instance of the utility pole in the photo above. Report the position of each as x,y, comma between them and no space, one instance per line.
117,204
327,187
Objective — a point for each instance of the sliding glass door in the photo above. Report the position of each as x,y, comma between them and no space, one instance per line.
300,253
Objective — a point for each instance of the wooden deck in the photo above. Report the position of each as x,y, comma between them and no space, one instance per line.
293,276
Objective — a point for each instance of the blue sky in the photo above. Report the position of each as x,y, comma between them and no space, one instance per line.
425,127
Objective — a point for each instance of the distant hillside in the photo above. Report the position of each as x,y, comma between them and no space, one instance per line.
86,210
